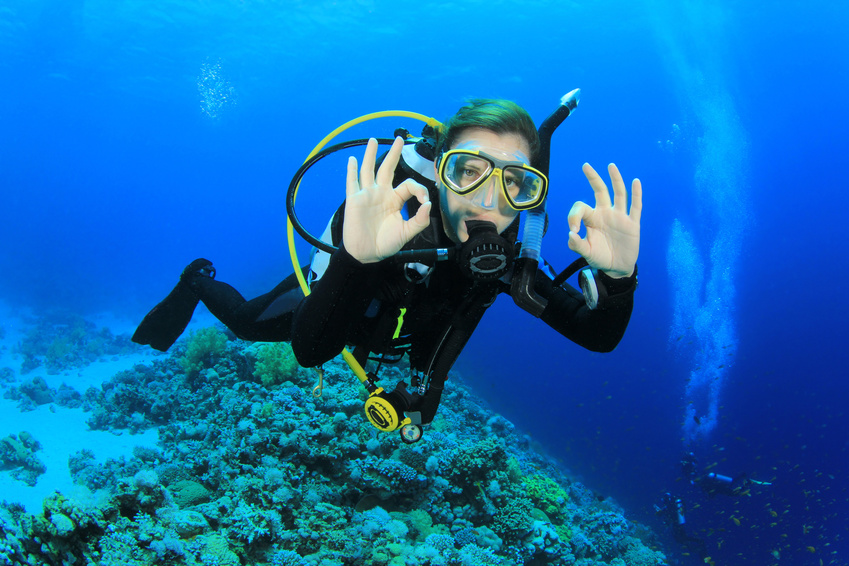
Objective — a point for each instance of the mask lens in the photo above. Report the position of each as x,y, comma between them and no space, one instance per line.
524,187
465,172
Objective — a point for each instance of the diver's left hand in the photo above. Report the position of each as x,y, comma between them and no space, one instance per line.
612,243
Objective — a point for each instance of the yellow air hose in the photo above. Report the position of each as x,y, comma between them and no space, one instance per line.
355,366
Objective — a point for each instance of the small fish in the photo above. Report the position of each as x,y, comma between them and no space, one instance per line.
736,521
811,549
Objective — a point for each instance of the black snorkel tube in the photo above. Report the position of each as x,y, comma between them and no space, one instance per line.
524,276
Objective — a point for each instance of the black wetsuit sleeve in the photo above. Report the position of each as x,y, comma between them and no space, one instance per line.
323,320
599,330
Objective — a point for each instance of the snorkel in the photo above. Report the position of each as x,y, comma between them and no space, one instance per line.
522,288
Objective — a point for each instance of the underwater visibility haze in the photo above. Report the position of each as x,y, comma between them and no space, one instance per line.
137,136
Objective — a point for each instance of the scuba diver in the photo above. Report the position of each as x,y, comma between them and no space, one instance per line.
671,510
713,484
426,239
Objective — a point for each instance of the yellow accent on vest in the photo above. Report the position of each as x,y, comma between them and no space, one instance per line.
400,324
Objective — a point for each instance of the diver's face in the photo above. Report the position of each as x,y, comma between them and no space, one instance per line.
488,201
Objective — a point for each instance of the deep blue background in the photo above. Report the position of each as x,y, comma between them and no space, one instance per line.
112,179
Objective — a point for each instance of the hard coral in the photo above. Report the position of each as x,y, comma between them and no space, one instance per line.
37,391
137,399
12,537
323,525
140,494
66,529
287,558
216,550
637,554
250,523
62,340
18,453
477,463
285,470
607,531
513,520
187,493
189,523
545,493
473,555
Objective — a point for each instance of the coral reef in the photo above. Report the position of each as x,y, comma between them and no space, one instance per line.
17,453
31,393
275,363
60,340
544,491
203,349
34,392
251,468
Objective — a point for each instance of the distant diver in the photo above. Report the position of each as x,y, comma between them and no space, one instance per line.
425,241
714,484
671,510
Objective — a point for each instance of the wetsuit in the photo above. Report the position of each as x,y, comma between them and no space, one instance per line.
351,300
361,305
352,304
267,318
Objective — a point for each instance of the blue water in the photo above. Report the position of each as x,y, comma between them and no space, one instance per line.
137,136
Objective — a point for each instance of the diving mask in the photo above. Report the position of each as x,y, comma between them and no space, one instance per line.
466,170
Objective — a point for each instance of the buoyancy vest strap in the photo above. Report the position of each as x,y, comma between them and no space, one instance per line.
463,324
447,351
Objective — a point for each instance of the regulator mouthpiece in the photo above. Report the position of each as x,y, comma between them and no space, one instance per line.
486,255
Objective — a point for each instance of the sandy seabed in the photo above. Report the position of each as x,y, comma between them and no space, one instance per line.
60,430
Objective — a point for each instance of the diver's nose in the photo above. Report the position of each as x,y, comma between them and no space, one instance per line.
488,194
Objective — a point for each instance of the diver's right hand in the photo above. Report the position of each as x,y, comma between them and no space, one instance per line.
374,228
